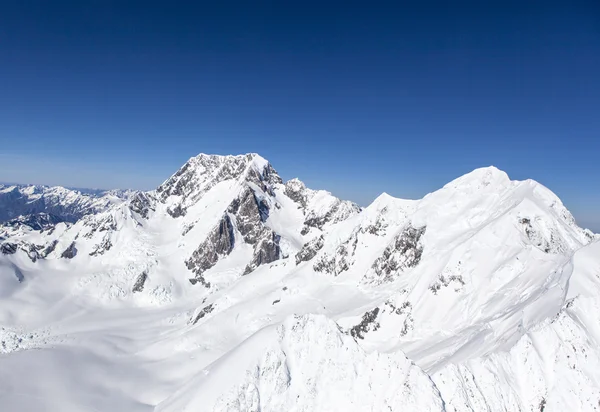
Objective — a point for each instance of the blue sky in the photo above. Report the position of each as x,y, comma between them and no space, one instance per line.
351,98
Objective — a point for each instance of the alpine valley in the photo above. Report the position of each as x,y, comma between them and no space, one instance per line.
227,289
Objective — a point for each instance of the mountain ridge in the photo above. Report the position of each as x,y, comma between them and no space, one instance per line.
485,280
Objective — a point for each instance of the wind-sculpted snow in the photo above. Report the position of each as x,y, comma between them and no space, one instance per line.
226,289
307,364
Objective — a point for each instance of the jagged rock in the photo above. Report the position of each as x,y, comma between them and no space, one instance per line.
203,312
69,252
203,172
102,247
219,243
444,281
367,324
248,215
296,190
310,249
8,248
50,248
341,260
377,229
142,204
99,224
403,253
313,221
139,282
32,251
177,211
266,251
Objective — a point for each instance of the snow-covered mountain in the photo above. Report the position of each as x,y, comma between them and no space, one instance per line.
226,289
68,205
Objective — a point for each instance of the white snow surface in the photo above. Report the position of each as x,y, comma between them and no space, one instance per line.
482,296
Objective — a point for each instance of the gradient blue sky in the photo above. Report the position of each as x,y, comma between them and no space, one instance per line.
354,97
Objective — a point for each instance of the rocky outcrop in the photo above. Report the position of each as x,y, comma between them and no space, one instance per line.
69,252
203,172
8,248
142,203
318,213
368,323
50,248
32,250
267,250
103,246
250,213
314,220
310,249
403,253
203,312
341,260
219,243
99,223
296,190
247,213
138,286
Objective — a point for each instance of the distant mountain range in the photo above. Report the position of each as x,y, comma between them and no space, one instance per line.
68,205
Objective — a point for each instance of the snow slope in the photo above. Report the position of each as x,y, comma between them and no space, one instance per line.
228,289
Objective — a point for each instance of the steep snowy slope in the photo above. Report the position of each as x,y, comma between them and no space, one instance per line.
307,364
227,289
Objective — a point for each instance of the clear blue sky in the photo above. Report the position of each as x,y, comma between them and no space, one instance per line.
354,97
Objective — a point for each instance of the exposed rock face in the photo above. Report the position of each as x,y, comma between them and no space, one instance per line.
341,260
319,207
203,312
32,250
69,252
249,213
267,250
99,223
50,248
203,172
138,286
296,190
310,249
176,211
219,243
335,214
8,248
368,323
403,253
142,204
103,246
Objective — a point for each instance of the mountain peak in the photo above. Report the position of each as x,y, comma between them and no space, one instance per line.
480,178
204,171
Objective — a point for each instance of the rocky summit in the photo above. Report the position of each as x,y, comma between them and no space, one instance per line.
228,289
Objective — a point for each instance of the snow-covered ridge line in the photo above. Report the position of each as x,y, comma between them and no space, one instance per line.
227,289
